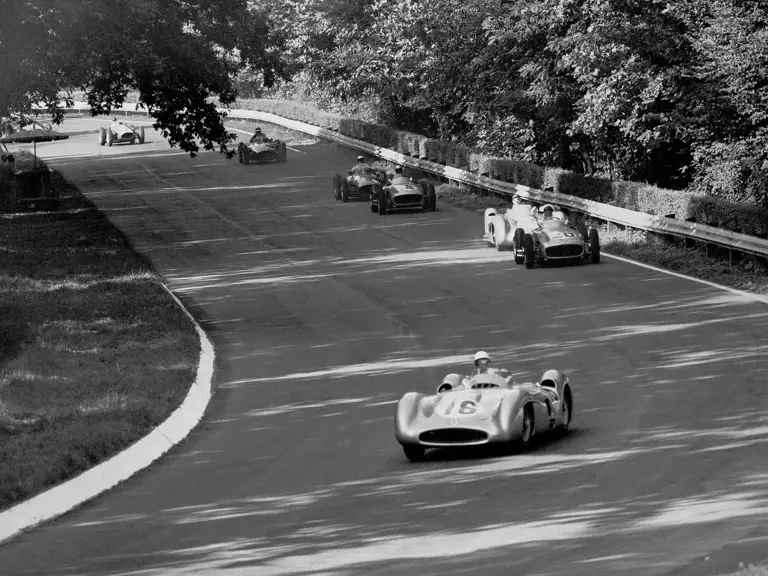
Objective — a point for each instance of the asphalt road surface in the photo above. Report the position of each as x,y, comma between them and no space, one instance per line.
323,314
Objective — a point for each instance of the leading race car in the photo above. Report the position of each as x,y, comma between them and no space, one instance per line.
264,151
402,194
485,408
120,133
540,236
361,182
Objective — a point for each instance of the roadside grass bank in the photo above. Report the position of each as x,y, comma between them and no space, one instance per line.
94,353
761,570
640,246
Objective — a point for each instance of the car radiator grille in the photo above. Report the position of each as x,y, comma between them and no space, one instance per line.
564,251
403,200
364,190
453,436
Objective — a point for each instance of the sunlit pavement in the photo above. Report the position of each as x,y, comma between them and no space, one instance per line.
323,314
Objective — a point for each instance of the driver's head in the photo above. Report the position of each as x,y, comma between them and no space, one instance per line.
482,360
256,131
398,170
360,160
547,210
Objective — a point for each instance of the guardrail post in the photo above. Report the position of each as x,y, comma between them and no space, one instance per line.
670,239
690,242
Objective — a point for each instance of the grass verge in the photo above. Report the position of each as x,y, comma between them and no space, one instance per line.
751,570
94,353
643,247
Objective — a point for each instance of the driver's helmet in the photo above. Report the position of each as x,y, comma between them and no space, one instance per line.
482,359
360,160
559,214
398,170
547,210
114,118
256,131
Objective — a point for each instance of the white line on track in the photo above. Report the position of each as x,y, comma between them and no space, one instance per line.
750,295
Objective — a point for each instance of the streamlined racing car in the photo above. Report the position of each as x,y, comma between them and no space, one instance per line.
402,194
360,183
485,408
265,151
120,133
541,236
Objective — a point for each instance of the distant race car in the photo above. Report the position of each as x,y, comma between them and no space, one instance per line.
120,133
536,238
268,151
484,408
402,194
359,183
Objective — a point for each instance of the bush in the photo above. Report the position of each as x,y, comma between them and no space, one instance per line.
746,218
566,182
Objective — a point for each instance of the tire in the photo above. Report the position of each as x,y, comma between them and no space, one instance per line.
414,453
519,235
583,231
240,155
567,411
432,198
110,137
382,203
374,208
337,186
141,135
528,426
246,159
283,152
344,191
133,140
102,136
594,247
529,251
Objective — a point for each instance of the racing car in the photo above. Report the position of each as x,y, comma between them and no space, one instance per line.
358,184
402,194
120,133
267,151
485,408
542,235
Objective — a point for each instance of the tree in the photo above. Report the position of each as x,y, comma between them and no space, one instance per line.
179,56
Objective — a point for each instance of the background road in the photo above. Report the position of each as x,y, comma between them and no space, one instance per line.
323,314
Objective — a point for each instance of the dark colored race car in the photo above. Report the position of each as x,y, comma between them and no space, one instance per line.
360,183
120,133
264,151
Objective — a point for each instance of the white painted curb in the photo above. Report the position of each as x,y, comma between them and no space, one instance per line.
70,494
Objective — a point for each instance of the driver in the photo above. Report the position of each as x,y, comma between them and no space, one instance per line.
482,362
399,178
361,166
547,210
258,137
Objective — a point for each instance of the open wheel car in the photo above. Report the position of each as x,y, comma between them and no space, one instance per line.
267,151
485,408
402,194
360,183
540,236
120,133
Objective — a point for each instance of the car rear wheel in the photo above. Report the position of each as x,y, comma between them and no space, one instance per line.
414,453
337,186
344,191
528,250
374,208
246,159
519,235
431,197
141,135
594,247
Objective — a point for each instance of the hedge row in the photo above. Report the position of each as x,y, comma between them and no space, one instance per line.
746,218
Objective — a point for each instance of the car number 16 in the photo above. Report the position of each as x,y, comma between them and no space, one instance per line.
460,408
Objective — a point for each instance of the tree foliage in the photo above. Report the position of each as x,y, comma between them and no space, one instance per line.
672,92
176,54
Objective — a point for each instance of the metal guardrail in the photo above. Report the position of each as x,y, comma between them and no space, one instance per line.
639,220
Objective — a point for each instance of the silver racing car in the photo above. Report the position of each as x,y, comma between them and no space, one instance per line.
120,133
485,408
401,193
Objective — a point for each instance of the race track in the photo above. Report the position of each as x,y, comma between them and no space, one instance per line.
323,314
